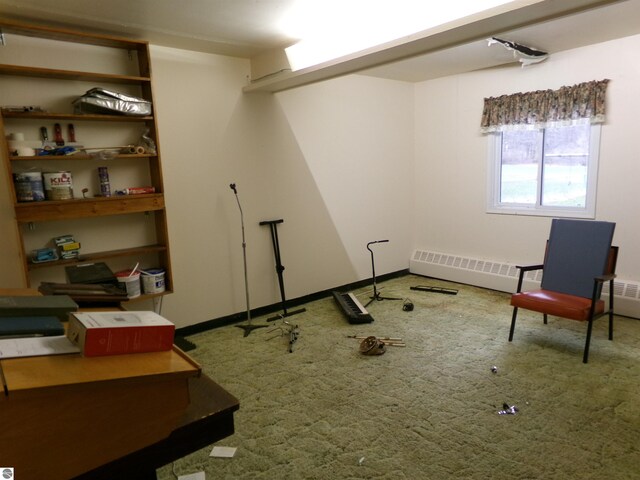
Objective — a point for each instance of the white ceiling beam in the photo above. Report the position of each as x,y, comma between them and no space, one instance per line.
478,26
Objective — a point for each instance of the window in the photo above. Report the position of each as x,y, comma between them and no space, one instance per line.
548,172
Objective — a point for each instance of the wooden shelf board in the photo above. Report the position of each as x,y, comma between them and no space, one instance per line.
78,117
91,257
79,156
64,35
40,72
87,207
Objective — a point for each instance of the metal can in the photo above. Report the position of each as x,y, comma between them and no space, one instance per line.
58,185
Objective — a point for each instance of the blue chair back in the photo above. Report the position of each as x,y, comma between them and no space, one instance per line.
577,251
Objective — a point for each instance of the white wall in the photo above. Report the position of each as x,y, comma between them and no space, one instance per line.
345,162
333,160
451,157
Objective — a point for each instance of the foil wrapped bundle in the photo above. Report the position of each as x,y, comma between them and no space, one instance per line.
102,101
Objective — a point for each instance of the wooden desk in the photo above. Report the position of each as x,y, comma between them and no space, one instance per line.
67,414
116,417
208,418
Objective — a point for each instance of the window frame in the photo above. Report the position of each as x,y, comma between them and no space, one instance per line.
494,205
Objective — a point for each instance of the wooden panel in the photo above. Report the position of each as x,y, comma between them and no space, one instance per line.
64,35
70,75
208,418
68,414
21,292
82,208
27,377
76,117
91,257
66,432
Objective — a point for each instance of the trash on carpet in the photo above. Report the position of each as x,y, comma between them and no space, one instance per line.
494,369
223,452
508,410
192,476
372,345
361,461
407,306
293,331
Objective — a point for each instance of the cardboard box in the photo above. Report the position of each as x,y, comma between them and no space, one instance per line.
114,333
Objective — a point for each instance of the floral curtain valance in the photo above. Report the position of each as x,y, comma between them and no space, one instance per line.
582,102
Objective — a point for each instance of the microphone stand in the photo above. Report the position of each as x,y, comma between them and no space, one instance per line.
248,328
376,294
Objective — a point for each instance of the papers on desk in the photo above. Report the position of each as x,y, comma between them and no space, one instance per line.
36,346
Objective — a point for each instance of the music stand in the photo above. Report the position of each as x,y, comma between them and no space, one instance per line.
376,294
248,328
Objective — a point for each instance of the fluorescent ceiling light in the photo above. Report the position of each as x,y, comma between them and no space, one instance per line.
330,29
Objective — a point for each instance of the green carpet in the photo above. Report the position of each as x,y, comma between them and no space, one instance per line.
428,410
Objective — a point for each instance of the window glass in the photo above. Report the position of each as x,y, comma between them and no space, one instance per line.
544,172
565,166
521,152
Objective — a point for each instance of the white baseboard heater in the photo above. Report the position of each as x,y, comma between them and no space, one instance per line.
504,277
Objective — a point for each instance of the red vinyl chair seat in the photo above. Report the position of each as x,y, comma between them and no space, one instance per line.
557,304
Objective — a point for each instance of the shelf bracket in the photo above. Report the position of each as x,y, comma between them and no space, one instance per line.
31,226
2,40
130,55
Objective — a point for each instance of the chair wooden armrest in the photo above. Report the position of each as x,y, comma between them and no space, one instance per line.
528,268
605,278
523,269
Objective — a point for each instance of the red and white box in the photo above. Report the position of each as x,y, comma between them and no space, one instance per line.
114,333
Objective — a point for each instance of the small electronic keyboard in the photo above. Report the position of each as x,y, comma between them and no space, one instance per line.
352,308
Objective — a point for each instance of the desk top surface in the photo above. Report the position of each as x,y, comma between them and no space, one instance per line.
30,373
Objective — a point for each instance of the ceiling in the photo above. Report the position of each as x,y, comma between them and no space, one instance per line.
242,28
249,28
589,27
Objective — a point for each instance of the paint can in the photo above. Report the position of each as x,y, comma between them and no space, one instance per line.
29,187
153,280
131,283
58,185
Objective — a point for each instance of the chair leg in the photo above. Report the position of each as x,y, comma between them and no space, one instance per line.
611,297
585,357
513,322
610,325
544,318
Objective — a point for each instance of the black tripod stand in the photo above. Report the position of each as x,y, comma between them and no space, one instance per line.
376,294
248,328
279,269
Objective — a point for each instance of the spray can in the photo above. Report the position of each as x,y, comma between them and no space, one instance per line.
105,187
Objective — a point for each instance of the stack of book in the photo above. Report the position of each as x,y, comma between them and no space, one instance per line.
27,316
67,246
114,333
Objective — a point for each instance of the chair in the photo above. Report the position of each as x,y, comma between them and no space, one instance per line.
579,259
